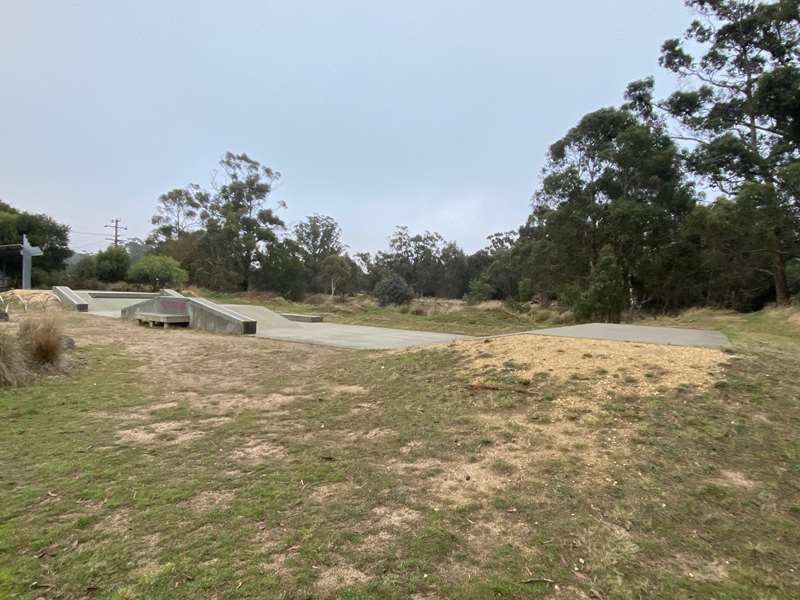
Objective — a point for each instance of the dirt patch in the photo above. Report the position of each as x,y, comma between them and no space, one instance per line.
227,402
257,452
396,518
372,434
117,523
210,500
736,479
341,576
327,492
348,389
166,432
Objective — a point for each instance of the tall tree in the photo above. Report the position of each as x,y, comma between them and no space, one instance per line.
318,237
613,179
742,116
178,213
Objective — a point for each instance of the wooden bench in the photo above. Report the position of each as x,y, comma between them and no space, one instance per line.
165,320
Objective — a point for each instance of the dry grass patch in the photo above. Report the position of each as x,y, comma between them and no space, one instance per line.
209,500
600,369
340,576
256,452
166,433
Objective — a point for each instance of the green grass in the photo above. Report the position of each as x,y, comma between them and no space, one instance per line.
701,500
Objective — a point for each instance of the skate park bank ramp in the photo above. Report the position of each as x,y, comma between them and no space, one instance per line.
273,326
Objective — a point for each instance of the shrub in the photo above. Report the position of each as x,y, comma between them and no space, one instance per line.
13,369
524,289
112,264
564,318
515,306
158,271
542,315
480,290
393,290
41,339
83,273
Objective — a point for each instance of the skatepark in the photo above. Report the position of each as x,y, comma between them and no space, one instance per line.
170,308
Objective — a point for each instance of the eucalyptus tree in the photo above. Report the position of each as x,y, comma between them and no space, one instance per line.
741,118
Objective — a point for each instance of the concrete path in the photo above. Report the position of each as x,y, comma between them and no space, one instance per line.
273,326
357,336
671,336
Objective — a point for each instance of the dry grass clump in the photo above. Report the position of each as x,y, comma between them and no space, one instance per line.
13,366
38,346
41,339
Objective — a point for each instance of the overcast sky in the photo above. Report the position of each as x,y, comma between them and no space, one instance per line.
431,114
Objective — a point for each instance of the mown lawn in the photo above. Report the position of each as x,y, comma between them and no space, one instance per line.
183,464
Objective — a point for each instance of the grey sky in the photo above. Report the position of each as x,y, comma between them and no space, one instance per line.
432,114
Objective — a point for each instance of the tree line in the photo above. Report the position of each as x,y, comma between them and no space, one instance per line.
658,204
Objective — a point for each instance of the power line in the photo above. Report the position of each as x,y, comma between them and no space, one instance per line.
115,225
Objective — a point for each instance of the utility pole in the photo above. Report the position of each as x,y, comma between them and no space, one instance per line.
115,225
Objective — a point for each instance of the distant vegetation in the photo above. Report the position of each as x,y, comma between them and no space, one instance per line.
619,222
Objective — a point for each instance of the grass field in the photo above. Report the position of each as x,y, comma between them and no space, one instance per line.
184,464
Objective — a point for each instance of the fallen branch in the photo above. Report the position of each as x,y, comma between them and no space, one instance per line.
539,580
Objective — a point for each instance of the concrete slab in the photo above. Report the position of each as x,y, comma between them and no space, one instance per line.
357,337
671,336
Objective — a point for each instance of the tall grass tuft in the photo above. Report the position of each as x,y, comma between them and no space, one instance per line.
13,368
41,339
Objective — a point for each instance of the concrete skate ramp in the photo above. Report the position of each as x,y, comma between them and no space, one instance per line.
671,336
111,304
203,314
265,318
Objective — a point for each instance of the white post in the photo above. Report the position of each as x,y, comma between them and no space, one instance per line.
28,252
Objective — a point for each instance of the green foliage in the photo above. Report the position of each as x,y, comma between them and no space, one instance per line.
281,270
393,289
525,289
158,271
480,290
793,276
42,231
112,264
318,237
82,274
605,297
337,270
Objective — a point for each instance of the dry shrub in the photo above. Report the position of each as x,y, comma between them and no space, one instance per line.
13,370
420,311
543,314
565,318
42,341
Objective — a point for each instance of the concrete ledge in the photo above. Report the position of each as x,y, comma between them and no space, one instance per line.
70,299
302,318
171,293
161,318
132,295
